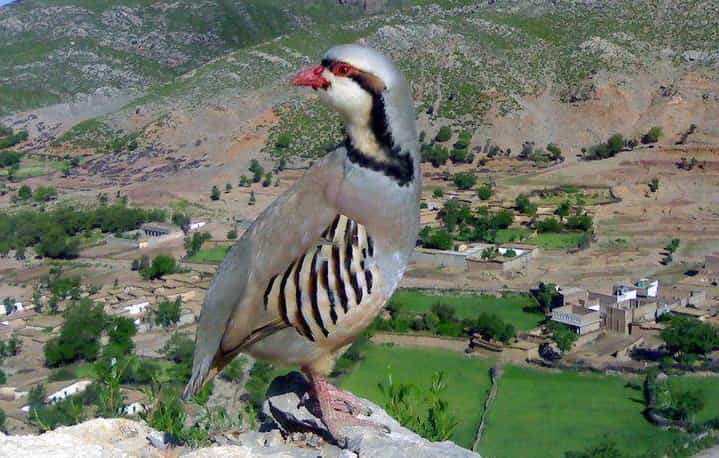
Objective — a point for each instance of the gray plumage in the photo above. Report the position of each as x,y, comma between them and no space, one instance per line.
319,263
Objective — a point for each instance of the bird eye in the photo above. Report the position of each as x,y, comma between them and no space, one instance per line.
342,70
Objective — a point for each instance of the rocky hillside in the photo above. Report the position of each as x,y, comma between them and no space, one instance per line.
55,50
569,72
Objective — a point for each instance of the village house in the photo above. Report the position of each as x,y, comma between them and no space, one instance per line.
577,318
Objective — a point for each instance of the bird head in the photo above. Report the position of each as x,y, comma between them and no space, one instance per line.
366,89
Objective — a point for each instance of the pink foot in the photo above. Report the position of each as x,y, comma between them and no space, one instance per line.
339,409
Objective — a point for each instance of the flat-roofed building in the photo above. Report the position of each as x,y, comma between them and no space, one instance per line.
579,319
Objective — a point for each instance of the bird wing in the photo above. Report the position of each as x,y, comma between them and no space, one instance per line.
232,313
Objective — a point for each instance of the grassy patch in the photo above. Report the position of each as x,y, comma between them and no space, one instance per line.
511,235
467,380
543,414
509,308
212,255
709,386
554,241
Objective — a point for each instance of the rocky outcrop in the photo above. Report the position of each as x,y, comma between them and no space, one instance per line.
301,435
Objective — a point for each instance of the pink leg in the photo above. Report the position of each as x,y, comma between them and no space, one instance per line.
338,408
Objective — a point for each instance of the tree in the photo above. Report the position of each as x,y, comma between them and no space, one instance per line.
24,193
484,192
654,185
524,205
464,180
231,234
444,134
79,335
228,187
44,193
689,337
168,312
13,346
257,171
545,295
215,193
120,331
615,143
181,220
9,158
563,210
562,336
252,200
56,244
549,225
673,245
555,154
244,181
439,238
161,265
437,193
688,403
267,181
503,219
194,243
579,223
653,135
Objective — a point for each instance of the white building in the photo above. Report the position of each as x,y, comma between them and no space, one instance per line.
134,409
16,307
70,390
195,225
647,287
136,309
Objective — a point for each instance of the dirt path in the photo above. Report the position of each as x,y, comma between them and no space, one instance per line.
495,374
404,340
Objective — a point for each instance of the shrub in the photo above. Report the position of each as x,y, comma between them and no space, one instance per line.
555,153
24,193
689,336
9,158
215,193
257,171
615,143
653,135
551,225
562,336
484,192
79,335
464,180
12,140
437,193
232,234
444,134
579,223
44,193
524,205
168,312
439,239
654,185
161,265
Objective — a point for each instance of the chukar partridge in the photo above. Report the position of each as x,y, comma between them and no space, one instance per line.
319,263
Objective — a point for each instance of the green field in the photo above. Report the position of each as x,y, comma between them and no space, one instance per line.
543,414
467,380
510,307
211,255
709,386
511,235
554,241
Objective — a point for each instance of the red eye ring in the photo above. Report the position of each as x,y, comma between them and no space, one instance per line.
342,70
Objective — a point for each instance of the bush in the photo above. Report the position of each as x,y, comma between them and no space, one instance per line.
439,239
162,264
555,154
653,136
257,171
689,336
168,312
464,180
79,335
435,154
484,192
215,193
490,326
579,223
24,193
654,185
444,134
9,158
194,243
549,225
44,193
231,234
437,193
12,140
524,205
562,336
502,219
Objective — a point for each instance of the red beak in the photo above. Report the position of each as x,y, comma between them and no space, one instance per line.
311,77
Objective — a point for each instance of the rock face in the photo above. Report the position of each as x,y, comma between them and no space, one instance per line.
302,436
284,403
